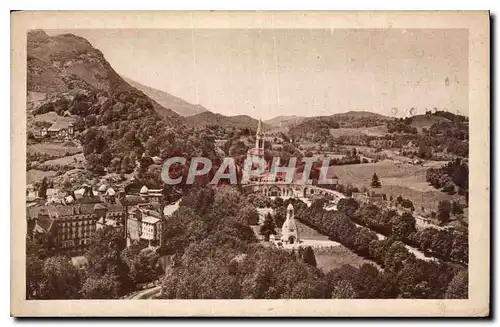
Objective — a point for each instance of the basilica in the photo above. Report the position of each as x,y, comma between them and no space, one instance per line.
255,158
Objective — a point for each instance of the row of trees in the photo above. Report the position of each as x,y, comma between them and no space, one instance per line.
217,257
452,176
446,244
404,275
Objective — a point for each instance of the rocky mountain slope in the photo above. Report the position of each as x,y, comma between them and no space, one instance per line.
167,100
115,123
66,62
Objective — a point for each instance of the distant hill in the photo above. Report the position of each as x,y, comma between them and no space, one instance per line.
208,118
167,100
311,126
68,63
422,121
360,119
435,120
282,121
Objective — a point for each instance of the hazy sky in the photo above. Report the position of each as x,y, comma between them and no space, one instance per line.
266,73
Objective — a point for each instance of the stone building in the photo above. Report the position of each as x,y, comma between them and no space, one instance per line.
289,232
64,228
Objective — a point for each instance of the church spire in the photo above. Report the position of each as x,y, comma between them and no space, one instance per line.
259,142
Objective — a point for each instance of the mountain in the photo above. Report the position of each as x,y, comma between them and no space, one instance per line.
282,121
67,63
208,118
115,122
297,125
167,100
360,119
282,124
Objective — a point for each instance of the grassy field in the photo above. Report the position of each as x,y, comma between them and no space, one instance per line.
327,258
306,232
397,179
336,257
76,161
34,175
53,149
370,131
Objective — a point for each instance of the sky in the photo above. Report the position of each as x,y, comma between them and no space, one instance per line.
303,72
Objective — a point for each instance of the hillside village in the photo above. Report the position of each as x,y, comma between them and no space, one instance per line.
98,212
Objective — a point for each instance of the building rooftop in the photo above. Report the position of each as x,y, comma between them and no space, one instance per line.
150,220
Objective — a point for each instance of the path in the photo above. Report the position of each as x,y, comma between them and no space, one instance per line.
147,293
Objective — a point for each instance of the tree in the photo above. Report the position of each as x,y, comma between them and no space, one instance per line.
404,225
249,215
34,275
348,206
42,191
344,290
143,266
375,181
103,287
444,209
456,208
309,257
104,256
61,279
268,227
458,286
279,215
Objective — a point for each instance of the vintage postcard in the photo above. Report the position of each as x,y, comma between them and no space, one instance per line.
250,164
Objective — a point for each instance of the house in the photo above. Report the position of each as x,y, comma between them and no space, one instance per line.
143,223
151,229
31,193
220,142
410,147
59,130
152,196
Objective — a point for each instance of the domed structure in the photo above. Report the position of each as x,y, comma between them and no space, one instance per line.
144,190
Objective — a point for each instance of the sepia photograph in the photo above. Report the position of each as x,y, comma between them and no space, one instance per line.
252,161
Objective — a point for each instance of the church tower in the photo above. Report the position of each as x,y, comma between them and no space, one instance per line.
259,141
256,154
289,233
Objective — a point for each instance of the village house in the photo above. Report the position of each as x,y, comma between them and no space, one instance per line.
145,224
220,142
151,195
409,148
58,130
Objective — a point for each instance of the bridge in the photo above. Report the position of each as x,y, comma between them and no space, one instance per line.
283,189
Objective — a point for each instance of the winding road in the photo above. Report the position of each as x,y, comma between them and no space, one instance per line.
146,294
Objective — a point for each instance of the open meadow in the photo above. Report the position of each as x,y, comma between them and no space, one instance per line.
397,179
53,149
